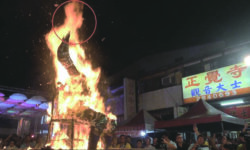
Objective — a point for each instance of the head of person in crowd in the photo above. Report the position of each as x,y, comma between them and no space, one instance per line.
148,141
200,140
114,141
1,142
27,139
139,144
223,139
122,139
12,144
179,139
166,137
155,141
242,138
128,139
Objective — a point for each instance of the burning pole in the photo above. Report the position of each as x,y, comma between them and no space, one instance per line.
78,115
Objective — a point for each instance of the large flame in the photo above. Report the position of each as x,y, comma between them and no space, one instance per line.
71,96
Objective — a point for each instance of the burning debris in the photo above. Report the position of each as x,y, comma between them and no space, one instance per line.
78,114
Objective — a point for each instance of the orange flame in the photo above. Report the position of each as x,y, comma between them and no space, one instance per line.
70,96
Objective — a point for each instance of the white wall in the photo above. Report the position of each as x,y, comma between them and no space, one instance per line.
163,98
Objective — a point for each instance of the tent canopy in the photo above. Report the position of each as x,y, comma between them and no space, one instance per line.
142,121
200,113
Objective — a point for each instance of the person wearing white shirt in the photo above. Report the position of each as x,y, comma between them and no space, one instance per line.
148,144
169,144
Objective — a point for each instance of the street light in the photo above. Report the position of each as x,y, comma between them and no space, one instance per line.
247,60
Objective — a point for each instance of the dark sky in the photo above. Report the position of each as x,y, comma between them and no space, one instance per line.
126,31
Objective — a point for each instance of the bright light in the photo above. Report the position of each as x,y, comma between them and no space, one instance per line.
247,60
232,102
143,133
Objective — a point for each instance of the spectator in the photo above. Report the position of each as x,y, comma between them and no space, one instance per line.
1,143
198,144
155,143
224,141
179,143
39,143
167,143
242,142
148,144
27,143
113,143
11,146
139,144
122,143
212,142
128,140
196,131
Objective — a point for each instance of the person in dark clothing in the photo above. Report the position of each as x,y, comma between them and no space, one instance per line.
155,143
179,142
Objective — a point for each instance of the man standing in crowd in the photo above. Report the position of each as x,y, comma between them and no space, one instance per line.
128,140
139,144
122,143
242,142
155,143
148,144
199,144
167,143
179,142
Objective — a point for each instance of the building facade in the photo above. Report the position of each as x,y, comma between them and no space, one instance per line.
160,82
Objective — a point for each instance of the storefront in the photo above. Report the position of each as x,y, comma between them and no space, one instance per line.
227,88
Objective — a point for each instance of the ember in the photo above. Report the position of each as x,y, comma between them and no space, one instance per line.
78,114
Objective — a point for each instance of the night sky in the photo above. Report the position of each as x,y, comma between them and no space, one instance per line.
126,31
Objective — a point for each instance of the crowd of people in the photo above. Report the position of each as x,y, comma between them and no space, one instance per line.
203,142
14,142
163,142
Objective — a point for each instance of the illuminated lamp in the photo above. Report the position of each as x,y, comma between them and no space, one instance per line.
143,133
28,113
247,60
14,101
26,105
43,106
232,102
5,105
2,99
20,107
33,102
12,111
18,96
1,94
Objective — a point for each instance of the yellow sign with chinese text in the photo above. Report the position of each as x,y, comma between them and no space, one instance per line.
223,82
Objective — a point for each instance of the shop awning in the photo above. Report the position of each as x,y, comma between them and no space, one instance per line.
200,113
142,121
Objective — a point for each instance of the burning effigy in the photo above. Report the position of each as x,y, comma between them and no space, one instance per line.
77,115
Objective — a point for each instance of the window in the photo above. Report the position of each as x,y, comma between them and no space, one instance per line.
168,80
172,79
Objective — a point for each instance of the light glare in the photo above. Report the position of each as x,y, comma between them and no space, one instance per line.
234,102
247,60
143,133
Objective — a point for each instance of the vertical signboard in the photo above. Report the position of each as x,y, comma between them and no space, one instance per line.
129,98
